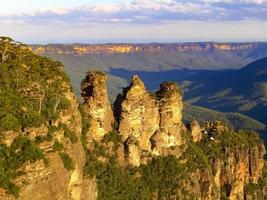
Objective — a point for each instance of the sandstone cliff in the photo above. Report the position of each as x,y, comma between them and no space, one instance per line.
51,149
41,154
97,105
213,162
171,128
52,180
87,49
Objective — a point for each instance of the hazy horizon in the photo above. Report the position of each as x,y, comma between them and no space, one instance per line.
133,21
137,41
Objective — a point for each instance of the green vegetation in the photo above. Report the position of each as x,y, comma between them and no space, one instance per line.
117,183
85,125
234,120
162,177
113,137
57,146
21,151
71,135
196,157
30,96
67,161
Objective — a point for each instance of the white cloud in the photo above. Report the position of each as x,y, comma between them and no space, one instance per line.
236,1
146,12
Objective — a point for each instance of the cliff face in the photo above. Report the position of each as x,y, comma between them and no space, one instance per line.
52,181
243,166
144,152
98,107
217,162
87,49
169,135
42,156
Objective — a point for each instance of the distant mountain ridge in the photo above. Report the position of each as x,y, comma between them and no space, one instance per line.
85,49
243,91
51,147
156,56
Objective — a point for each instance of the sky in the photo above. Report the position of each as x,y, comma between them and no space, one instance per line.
102,21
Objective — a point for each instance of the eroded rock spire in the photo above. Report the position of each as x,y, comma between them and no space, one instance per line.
169,138
98,108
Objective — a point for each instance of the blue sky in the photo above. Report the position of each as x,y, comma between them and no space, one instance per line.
97,21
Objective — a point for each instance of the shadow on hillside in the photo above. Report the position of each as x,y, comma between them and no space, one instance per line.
152,80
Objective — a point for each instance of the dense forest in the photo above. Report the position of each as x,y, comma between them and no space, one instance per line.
31,95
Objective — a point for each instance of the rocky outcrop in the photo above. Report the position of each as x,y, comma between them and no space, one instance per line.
211,162
137,112
171,126
153,120
196,131
150,125
238,168
52,180
138,118
98,108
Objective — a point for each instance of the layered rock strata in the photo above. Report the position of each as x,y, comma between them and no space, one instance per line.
171,128
153,121
97,105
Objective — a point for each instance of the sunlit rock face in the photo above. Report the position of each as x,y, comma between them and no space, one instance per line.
196,131
138,117
154,120
98,108
41,181
171,127
137,113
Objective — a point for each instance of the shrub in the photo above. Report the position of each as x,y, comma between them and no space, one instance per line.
64,104
67,161
9,122
114,137
13,157
32,119
57,146
71,135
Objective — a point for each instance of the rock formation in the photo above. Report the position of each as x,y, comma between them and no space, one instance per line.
42,181
171,126
44,157
150,118
44,152
150,125
97,103
137,113
237,169
196,131
138,118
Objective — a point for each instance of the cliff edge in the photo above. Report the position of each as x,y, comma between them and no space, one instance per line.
139,148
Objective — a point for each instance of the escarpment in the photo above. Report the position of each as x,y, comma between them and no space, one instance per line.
171,127
53,148
138,119
97,105
208,161
41,155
